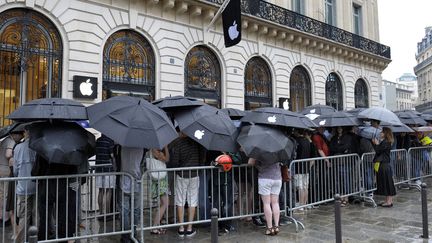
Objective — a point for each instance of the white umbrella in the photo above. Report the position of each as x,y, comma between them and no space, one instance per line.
380,114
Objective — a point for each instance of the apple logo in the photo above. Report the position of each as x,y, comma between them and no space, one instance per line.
286,105
199,134
312,116
86,88
233,32
322,123
271,119
312,111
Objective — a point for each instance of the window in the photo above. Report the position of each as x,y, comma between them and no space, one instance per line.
334,92
258,84
128,66
31,55
361,96
330,13
203,76
300,89
298,6
357,14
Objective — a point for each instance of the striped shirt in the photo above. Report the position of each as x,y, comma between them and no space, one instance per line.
185,152
104,149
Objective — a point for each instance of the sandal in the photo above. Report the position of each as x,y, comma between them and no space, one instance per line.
276,230
270,231
158,232
344,203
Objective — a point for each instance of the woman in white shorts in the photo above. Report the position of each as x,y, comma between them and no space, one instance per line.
269,186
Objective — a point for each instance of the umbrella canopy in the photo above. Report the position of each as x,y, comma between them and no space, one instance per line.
356,111
318,109
398,128
177,102
14,127
428,111
338,119
210,127
426,117
62,143
266,144
380,114
132,122
234,114
369,132
52,108
410,118
423,129
278,117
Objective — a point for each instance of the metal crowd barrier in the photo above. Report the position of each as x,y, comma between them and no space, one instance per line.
60,203
322,178
233,193
420,165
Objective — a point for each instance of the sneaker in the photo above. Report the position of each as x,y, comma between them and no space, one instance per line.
222,231
190,233
229,228
257,221
181,234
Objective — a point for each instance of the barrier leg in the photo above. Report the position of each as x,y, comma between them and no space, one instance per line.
338,224
424,212
33,234
214,225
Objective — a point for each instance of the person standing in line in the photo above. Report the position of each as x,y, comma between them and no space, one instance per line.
24,159
321,144
106,184
269,187
385,184
131,164
187,153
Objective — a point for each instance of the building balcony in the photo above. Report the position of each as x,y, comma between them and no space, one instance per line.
279,15
422,65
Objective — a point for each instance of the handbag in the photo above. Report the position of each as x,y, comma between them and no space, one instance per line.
376,166
285,173
154,164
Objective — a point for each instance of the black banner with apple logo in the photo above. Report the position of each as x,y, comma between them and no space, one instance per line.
84,87
231,21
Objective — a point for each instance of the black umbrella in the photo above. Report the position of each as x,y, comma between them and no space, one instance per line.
338,119
356,111
210,127
398,128
52,108
234,114
318,109
278,117
410,118
426,117
428,111
177,102
62,142
266,144
5,131
132,122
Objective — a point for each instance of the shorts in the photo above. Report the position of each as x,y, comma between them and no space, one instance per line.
269,186
301,181
105,181
159,188
186,189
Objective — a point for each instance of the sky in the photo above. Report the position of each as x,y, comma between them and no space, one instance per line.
402,25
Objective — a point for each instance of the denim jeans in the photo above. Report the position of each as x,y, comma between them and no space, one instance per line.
126,201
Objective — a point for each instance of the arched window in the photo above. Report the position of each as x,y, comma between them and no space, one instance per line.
258,84
361,94
128,66
334,92
203,76
300,89
30,59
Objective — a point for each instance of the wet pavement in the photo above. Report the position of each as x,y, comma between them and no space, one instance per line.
361,223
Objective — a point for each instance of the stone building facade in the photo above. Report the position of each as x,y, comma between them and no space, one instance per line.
423,71
306,51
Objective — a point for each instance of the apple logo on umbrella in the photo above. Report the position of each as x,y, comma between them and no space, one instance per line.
233,32
199,134
86,88
271,119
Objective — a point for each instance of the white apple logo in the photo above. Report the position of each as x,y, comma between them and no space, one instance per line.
86,88
271,119
233,32
322,123
199,134
312,116
312,111
286,105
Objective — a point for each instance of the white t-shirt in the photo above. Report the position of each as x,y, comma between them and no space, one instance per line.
131,163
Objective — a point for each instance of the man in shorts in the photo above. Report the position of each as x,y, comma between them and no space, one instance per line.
105,183
186,153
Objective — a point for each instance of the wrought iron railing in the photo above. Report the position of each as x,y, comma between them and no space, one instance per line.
283,16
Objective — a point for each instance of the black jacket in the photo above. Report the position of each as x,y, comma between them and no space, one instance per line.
382,152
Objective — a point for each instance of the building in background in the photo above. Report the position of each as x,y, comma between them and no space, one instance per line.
321,51
397,96
423,70
410,81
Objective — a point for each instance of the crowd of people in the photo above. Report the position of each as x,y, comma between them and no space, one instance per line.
193,189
